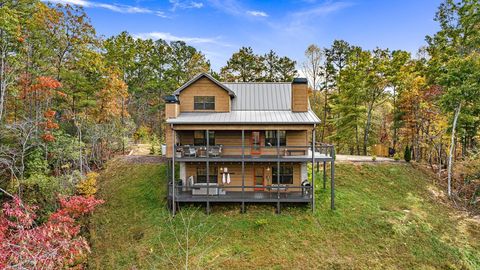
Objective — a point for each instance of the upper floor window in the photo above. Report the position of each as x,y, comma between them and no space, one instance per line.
271,137
199,138
204,103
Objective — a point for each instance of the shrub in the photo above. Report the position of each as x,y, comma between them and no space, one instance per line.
43,190
408,154
36,163
396,157
37,189
142,134
374,158
88,186
55,244
152,150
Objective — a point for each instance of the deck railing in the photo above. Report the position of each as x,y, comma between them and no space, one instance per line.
223,192
249,151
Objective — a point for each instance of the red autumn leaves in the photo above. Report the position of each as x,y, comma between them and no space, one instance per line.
55,244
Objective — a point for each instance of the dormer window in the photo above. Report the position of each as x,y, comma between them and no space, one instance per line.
204,103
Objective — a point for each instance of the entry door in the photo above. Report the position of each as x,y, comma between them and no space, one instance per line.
255,143
259,178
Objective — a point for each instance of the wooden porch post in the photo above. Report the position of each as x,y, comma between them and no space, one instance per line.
173,170
324,175
243,171
313,169
208,171
332,192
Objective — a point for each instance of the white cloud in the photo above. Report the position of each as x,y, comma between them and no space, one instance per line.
196,4
228,6
179,4
257,13
81,3
301,20
322,10
112,7
170,37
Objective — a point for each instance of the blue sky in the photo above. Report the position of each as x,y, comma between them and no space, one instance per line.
219,28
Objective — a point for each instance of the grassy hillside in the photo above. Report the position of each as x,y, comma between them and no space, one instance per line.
386,217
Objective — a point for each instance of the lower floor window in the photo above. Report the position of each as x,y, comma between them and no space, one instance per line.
286,174
202,174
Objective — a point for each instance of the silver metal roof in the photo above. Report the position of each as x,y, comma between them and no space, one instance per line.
252,103
246,117
268,96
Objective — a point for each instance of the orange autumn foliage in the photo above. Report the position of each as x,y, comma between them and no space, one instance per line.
111,98
49,113
47,137
49,125
44,88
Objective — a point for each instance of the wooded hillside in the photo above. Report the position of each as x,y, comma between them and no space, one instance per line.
70,100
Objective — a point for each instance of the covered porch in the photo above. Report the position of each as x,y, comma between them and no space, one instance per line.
246,188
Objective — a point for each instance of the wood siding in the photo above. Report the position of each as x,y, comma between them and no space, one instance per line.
204,87
234,138
235,171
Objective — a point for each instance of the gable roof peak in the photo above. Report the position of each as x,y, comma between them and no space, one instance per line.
198,77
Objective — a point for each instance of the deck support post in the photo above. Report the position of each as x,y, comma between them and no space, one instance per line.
324,175
207,136
278,173
332,184
173,171
313,169
243,171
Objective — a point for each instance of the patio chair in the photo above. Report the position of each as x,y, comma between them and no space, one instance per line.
215,151
189,151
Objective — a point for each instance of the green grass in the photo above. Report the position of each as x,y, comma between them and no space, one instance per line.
386,218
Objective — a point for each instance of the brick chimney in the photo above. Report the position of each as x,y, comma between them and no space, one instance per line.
299,95
172,107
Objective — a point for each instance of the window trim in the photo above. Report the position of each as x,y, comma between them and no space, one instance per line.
273,140
201,103
213,174
201,141
284,175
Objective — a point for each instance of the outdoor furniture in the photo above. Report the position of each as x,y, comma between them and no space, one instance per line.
189,151
277,188
202,151
215,151
201,189
294,152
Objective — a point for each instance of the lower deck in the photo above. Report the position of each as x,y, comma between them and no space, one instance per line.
264,179
248,196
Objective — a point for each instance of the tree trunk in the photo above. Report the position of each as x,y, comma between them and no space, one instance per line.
367,129
357,139
452,147
439,160
394,139
325,104
3,82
